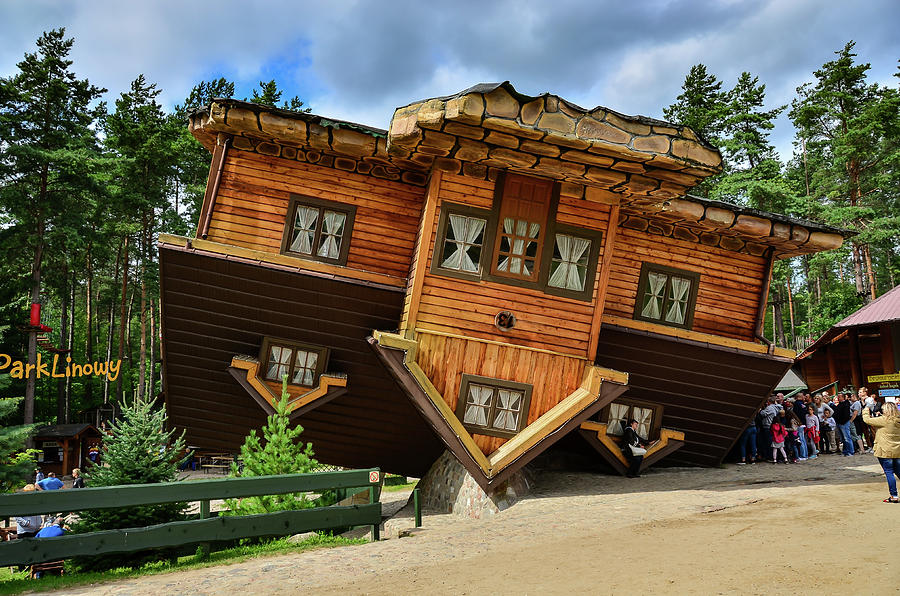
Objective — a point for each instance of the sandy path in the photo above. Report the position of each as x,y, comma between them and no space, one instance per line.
733,530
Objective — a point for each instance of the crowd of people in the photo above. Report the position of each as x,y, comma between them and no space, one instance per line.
45,526
792,430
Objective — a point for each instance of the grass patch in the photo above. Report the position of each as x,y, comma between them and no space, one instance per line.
398,487
16,583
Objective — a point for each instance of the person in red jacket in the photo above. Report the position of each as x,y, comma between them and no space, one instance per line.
779,434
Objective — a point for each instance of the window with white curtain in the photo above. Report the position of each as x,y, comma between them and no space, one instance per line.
319,229
569,264
301,363
620,412
667,295
463,243
493,406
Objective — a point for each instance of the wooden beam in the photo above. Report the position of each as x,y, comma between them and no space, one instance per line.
603,280
713,340
832,365
888,363
855,369
764,295
285,261
216,166
426,227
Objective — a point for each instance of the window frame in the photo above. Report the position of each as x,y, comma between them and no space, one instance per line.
655,421
448,209
596,238
496,384
643,282
320,204
270,342
490,273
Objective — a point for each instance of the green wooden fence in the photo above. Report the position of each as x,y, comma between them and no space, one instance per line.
198,531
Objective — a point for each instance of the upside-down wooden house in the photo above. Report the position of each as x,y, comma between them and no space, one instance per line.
493,273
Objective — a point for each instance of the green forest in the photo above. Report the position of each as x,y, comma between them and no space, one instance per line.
86,187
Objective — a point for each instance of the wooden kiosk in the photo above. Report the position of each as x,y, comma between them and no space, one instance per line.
494,272
65,446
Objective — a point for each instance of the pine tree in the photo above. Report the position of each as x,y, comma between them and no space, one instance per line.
137,450
48,164
850,132
282,453
269,95
16,463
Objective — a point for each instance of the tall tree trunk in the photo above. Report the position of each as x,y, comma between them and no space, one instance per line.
63,337
70,346
858,270
790,301
142,366
778,317
109,328
129,353
151,385
870,272
89,326
122,320
36,264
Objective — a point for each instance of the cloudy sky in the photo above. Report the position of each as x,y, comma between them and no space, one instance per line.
357,60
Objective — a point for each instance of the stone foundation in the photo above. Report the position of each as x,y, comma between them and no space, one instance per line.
449,488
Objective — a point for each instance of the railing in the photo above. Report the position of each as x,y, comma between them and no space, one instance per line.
204,530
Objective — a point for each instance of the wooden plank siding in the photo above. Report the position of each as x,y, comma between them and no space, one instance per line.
214,308
815,367
252,204
552,377
465,307
709,393
730,282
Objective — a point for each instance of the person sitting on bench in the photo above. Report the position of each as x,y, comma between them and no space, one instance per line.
27,526
634,447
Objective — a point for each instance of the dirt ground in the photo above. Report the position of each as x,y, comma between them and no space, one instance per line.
816,527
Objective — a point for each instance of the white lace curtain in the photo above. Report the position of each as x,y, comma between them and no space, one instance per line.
304,229
523,234
678,298
305,367
332,231
653,297
618,418
466,231
509,406
478,402
572,269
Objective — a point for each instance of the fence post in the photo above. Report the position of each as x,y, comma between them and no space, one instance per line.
376,529
203,548
417,506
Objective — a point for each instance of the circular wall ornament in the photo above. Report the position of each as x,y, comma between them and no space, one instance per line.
505,320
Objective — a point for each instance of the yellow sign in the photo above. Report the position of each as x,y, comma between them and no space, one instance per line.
884,378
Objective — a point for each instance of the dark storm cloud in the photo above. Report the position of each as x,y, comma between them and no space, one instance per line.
359,59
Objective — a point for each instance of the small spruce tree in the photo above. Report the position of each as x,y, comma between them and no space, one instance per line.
281,453
137,450
16,462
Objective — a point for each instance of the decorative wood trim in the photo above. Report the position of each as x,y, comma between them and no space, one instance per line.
292,262
217,165
595,433
321,362
408,323
603,280
585,401
715,340
329,387
764,295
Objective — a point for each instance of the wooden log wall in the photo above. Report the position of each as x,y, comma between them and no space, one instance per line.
552,377
730,282
463,307
251,208
815,368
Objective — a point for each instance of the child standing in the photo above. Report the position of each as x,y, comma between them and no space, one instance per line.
829,427
812,431
779,434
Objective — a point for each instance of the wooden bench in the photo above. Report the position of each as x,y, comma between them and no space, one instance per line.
51,567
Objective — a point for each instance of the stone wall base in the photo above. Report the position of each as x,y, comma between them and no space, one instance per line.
449,488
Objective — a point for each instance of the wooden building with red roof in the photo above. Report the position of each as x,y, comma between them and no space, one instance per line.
494,272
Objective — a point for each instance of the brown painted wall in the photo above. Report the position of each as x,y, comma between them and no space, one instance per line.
708,393
815,367
215,308
730,282
251,208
